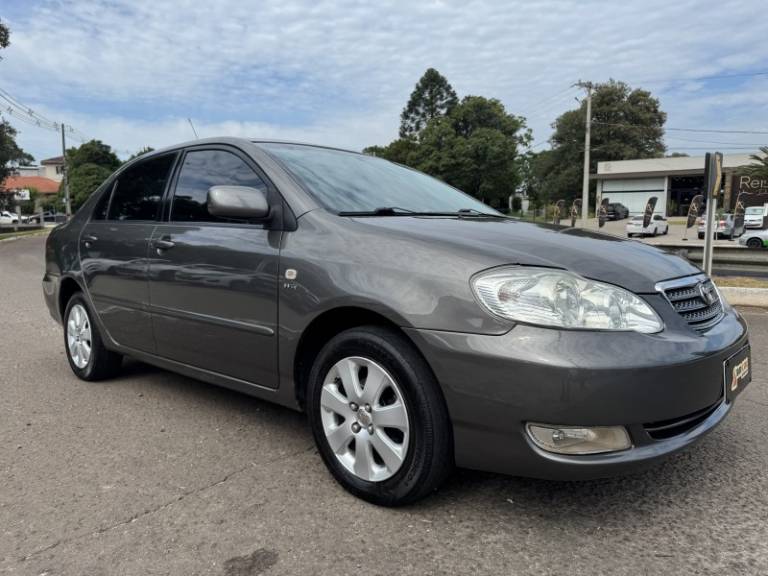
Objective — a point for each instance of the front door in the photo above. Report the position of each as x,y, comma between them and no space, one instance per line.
113,251
213,282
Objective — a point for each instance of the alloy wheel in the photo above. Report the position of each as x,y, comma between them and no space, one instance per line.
364,418
79,340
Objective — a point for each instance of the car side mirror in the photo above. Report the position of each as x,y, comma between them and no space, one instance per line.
238,202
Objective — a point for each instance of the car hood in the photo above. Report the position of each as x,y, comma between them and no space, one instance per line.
628,263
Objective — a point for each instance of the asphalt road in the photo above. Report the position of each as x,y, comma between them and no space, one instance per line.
154,473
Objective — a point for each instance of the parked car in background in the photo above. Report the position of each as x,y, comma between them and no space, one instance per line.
754,216
8,217
754,239
50,217
616,211
416,326
658,225
726,226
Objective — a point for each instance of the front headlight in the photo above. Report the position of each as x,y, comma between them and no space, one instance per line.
549,297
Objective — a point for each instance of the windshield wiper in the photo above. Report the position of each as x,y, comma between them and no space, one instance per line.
397,211
382,211
472,212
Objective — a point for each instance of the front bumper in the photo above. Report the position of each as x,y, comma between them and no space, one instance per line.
493,385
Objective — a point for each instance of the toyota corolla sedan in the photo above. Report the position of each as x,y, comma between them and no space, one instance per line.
418,328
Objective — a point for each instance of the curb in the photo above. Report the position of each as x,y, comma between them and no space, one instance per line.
43,232
745,296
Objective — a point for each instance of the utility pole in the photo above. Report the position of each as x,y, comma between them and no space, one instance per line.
587,137
65,177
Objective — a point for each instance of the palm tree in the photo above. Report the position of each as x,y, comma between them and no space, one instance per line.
759,168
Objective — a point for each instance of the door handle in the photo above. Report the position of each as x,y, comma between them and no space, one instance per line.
88,240
164,244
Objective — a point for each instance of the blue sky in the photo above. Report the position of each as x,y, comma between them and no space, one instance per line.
130,72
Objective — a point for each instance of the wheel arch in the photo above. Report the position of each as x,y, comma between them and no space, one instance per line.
68,286
327,325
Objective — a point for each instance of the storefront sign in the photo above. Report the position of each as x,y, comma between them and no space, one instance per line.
750,190
748,184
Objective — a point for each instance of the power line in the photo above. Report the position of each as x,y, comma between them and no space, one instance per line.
705,130
13,104
545,104
16,109
682,139
702,78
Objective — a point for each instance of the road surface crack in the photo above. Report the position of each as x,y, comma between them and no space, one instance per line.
159,507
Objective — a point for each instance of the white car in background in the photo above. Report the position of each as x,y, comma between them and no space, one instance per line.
754,239
658,225
8,218
754,215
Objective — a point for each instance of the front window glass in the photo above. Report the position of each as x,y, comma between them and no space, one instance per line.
201,170
349,182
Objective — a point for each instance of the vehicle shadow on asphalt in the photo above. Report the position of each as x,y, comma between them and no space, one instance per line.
682,479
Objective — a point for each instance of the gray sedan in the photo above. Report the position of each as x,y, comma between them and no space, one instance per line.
417,327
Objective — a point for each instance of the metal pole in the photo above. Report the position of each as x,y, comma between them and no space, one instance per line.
587,137
65,178
713,177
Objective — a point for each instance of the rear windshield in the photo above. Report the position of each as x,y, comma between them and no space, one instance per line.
349,182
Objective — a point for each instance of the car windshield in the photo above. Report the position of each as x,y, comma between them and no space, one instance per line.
637,218
347,182
754,210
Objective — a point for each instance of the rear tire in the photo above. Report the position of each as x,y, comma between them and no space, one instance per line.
385,465
85,350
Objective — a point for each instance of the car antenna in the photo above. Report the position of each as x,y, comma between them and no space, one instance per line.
193,128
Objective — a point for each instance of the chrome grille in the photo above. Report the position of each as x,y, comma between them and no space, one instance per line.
695,299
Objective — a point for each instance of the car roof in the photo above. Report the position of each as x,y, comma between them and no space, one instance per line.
237,141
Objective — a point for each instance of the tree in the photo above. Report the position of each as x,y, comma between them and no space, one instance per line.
626,124
84,180
474,148
399,150
141,152
5,35
432,97
87,167
535,168
11,154
760,167
92,152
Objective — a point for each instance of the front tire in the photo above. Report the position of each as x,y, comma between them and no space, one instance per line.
85,350
754,243
378,417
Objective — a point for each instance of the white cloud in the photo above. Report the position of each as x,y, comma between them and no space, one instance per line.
131,71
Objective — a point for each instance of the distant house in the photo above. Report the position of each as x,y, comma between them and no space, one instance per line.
44,178
52,168
18,184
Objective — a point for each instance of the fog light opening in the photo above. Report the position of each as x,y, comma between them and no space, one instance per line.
579,439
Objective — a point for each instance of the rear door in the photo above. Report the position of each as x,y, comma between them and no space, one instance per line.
213,282
113,250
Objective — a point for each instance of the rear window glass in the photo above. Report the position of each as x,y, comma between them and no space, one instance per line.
139,189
